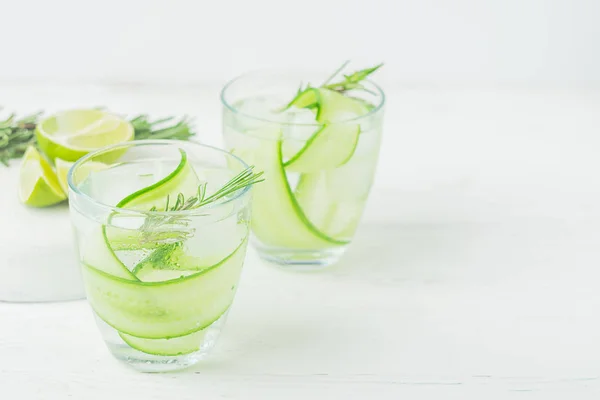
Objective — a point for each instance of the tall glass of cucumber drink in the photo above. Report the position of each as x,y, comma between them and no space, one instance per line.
161,229
318,144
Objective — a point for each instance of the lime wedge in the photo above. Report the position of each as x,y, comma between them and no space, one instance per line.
72,134
38,185
62,170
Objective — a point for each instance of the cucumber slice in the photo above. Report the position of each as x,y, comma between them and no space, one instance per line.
182,180
336,218
334,144
128,236
367,106
165,308
99,246
334,200
166,347
96,251
335,107
277,219
176,260
307,98
161,310
331,146
344,218
313,196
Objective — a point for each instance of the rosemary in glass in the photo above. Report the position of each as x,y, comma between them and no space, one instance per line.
175,226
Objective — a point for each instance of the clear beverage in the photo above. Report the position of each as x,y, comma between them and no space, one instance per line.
317,184
160,279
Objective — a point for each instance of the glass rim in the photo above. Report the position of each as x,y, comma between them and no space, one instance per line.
128,211
380,93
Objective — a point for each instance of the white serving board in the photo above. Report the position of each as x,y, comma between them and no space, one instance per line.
38,261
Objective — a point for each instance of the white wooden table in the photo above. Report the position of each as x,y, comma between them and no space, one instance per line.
476,271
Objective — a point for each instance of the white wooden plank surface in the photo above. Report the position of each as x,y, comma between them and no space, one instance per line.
475,272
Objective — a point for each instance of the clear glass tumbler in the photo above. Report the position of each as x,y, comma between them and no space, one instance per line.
319,149
159,274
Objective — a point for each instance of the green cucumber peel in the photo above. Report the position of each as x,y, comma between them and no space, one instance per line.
159,316
140,193
166,347
169,282
300,213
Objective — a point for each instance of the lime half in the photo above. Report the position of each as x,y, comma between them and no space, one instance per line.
72,134
38,185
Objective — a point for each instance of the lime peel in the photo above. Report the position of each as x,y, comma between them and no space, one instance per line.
69,135
38,184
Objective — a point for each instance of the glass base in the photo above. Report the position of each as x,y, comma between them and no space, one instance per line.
300,260
144,362
150,363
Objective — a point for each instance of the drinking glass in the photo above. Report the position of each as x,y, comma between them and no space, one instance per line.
319,150
160,276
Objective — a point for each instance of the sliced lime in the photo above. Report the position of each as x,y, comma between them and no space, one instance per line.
38,185
72,134
62,170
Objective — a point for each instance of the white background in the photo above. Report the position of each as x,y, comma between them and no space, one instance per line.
426,42
474,274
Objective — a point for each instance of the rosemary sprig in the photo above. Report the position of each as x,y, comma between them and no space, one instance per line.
165,128
245,178
337,71
352,81
175,225
17,134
